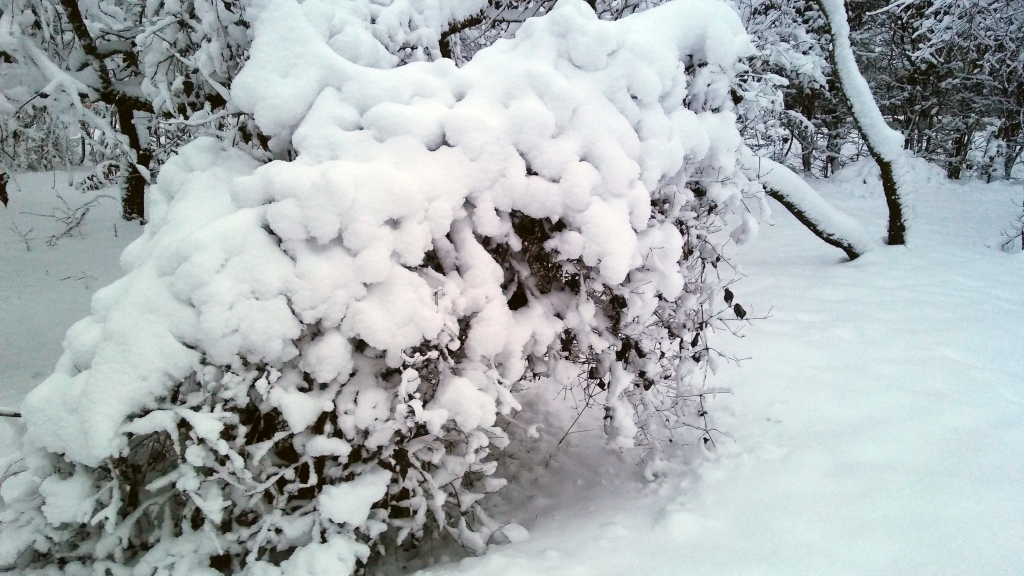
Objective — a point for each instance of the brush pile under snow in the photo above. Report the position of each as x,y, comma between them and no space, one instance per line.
308,359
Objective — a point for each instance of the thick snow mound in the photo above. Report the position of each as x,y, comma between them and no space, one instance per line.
309,353
575,120
137,340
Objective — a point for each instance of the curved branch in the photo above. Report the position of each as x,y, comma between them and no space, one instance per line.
444,43
884,144
830,225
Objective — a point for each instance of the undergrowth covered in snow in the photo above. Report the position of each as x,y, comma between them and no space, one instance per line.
313,359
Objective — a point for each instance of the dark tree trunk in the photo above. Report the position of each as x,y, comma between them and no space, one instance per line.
961,147
133,203
3,188
1011,160
897,233
833,154
807,158
806,104
1010,133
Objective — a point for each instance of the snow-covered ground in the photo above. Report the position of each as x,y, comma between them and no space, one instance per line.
45,289
877,426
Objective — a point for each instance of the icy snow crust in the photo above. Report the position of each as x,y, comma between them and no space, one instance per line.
389,163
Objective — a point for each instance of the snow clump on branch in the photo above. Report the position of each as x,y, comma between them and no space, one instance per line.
309,359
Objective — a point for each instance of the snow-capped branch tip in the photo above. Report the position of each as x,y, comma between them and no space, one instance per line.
824,220
8,413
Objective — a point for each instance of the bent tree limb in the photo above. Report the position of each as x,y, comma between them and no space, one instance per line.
824,220
884,144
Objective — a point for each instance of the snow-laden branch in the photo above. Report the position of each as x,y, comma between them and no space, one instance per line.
884,144
345,328
813,211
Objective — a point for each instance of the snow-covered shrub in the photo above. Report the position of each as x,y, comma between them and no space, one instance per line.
310,359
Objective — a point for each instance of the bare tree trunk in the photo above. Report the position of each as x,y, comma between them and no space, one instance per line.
1010,133
133,204
1011,159
3,188
884,144
833,154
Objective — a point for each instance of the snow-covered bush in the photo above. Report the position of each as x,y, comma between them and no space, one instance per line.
310,359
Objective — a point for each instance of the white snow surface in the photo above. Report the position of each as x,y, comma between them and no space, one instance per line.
44,289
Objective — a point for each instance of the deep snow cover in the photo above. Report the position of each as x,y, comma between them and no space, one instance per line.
371,170
875,427
310,355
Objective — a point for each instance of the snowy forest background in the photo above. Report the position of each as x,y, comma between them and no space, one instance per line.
946,74
397,256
